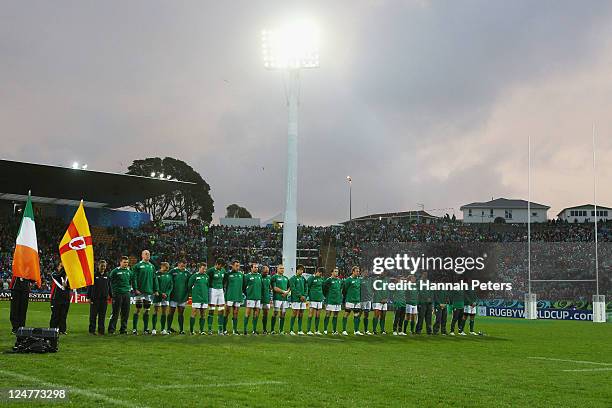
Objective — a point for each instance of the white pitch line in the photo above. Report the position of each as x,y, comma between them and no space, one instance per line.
183,386
570,361
85,393
590,369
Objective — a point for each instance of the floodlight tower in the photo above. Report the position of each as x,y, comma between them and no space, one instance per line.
290,49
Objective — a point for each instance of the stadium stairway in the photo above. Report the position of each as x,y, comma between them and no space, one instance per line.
327,254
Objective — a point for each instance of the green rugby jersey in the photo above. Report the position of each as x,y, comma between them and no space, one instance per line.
456,299
314,285
351,288
281,282
266,282
180,291
381,295
332,289
164,286
424,295
234,281
399,299
144,278
412,296
253,286
298,287
216,277
440,297
469,297
198,285
120,280
367,289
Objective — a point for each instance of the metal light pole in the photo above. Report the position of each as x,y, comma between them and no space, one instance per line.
350,182
290,49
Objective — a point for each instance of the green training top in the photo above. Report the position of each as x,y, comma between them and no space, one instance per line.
383,294
164,286
180,291
120,280
216,277
198,285
332,289
265,289
367,289
314,285
253,286
233,286
144,278
456,299
351,288
281,282
298,287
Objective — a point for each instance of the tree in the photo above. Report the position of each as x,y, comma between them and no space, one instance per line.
236,211
190,203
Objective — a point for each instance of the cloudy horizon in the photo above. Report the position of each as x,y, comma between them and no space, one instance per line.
418,101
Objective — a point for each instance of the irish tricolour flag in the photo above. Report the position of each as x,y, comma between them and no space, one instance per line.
25,260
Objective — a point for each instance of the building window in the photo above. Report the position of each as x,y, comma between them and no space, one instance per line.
470,212
593,213
534,214
508,214
491,213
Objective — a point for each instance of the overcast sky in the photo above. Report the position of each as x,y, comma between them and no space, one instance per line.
419,101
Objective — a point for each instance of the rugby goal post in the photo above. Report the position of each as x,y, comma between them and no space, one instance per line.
531,306
599,309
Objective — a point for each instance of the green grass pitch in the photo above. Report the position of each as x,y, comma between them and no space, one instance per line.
518,363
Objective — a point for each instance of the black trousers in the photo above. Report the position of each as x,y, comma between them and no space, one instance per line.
59,314
121,305
457,318
97,313
424,316
398,320
19,308
440,324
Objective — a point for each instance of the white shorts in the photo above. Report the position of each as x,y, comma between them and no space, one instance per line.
469,309
216,297
351,306
281,305
138,298
380,306
232,303
265,306
253,304
162,303
332,308
366,305
316,305
411,309
199,305
175,304
298,305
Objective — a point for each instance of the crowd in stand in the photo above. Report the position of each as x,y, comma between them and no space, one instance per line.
264,245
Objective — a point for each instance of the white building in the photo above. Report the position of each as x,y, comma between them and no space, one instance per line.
510,211
239,222
585,213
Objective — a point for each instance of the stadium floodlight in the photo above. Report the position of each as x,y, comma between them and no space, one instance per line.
161,175
152,174
75,165
84,167
350,182
291,48
168,177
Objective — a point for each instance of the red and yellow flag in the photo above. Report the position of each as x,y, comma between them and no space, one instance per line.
76,251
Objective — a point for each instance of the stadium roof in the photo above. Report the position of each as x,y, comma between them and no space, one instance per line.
400,214
587,206
505,203
67,186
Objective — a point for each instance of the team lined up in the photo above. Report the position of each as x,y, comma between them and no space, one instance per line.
224,291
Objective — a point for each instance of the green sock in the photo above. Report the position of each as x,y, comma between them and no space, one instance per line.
375,323
273,323
264,321
300,323
325,323
382,323
154,321
202,321
405,326
225,321
181,320
356,323
308,323
344,320
291,323
235,323
145,319
335,323
317,320
135,321
246,323
169,321
163,322
471,325
211,318
281,325
220,323
412,326
255,318
366,321
191,323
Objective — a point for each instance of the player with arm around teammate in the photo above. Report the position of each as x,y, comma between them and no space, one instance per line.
234,281
180,293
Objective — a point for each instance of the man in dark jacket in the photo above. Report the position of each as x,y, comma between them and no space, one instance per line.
60,299
98,298
425,299
20,293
